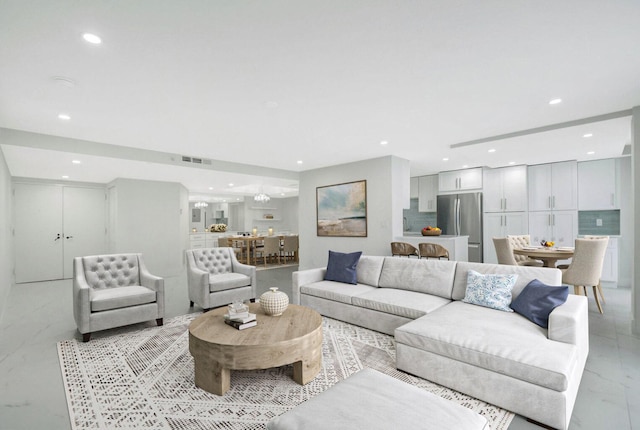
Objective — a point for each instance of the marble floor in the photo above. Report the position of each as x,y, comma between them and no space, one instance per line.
37,315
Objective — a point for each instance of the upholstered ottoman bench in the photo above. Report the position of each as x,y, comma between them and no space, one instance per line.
372,400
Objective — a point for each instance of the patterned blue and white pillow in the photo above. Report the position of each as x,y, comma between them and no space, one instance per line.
491,291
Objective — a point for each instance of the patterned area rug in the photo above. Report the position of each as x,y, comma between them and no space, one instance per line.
144,379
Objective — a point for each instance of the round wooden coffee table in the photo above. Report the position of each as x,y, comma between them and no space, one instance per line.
217,348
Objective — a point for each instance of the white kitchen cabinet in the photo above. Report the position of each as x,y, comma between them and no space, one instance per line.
560,227
553,186
413,187
460,180
428,193
598,185
501,225
610,264
505,189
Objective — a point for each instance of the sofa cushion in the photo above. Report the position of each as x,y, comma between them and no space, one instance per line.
227,281
369,269
404,303
424,276
502,342
537,300
525,274
372,400
110,271
213,260
335,291
105,299
491,290
342,267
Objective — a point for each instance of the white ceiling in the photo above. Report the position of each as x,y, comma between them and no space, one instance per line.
273,82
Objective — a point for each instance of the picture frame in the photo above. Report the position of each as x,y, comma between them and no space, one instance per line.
341,209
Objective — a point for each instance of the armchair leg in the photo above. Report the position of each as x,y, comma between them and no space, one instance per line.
190,304
86,337
159,321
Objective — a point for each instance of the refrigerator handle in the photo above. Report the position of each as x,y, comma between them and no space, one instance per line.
457,217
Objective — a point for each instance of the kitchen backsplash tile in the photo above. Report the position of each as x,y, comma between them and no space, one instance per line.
588,222
414,221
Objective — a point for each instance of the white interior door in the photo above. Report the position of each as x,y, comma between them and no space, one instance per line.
38,232
84,224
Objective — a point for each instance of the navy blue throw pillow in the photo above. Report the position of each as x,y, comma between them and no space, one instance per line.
537,300
342,267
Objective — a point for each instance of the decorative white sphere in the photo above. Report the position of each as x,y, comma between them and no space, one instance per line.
274,302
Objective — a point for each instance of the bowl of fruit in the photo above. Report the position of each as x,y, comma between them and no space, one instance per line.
547,243
431,231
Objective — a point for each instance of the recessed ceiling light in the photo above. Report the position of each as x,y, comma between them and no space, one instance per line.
299,161
282,194
445,159
65,176
591,152
231,185
64,117
76,161
512,162
211,188
492,150
464,166
92,38
555,101
587,135
384,142
238,199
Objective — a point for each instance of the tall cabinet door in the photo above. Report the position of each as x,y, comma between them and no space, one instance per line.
83,224
540,226
38,232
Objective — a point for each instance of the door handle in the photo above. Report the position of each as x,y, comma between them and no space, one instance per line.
57,237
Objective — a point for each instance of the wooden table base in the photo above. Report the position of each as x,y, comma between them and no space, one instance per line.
295,338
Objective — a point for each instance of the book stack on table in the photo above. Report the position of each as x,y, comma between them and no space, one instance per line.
240,318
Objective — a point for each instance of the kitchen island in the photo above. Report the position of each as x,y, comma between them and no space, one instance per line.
458,246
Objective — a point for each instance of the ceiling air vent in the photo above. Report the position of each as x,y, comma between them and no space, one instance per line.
195,160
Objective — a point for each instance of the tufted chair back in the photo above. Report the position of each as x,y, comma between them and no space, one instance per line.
214,260
111,271
519,241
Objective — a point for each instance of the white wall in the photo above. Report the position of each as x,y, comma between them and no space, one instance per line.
284,211
151,217
626,223
635,251
386,177
6,238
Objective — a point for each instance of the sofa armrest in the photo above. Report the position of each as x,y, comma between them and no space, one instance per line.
154,283
304,277
197,282
81,298
569,323
248,270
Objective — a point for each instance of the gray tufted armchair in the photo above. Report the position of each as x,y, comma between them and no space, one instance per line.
114,290
216,277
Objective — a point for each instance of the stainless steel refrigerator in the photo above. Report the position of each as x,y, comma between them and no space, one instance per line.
461,215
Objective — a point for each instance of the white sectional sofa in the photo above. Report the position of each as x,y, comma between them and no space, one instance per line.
500,357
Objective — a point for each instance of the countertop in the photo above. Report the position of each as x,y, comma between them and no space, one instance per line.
418,234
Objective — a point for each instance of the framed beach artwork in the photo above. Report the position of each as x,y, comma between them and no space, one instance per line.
342,209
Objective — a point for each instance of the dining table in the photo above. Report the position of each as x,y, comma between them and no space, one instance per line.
548,255
250,244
